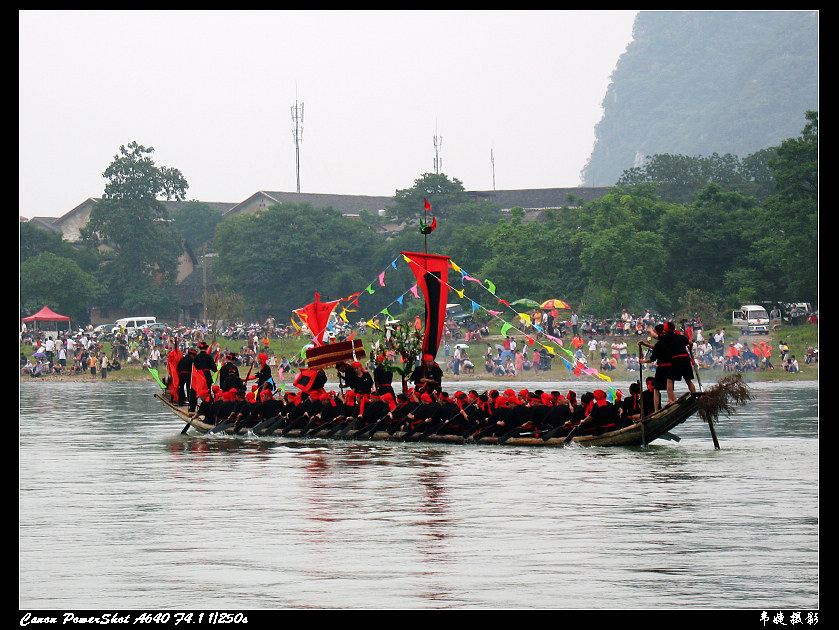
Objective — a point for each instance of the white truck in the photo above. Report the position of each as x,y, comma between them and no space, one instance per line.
751,319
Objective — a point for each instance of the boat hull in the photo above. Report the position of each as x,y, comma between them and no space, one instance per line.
654,427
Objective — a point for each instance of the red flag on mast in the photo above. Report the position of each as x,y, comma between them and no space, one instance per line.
432,274
316,317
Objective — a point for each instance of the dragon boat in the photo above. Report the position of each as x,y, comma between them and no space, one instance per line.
431,273
655,426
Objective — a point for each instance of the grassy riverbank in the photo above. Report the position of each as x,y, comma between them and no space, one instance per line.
798,338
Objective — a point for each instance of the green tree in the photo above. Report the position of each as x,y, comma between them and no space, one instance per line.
279,258
59,282
131,227
784,251
196,222
35,240
440,191
705,239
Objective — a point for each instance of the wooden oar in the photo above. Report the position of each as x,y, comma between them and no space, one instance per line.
334,426
547,436
518,429
222,426
436,426
710,422
371,429
262,424
349,428
570,435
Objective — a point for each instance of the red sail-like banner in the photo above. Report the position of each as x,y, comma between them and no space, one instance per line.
432,273
316,317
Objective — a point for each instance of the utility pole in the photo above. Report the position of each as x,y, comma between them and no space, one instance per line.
438,142
492,159
297,117
204,271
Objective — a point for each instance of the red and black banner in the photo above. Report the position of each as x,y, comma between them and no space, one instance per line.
432,274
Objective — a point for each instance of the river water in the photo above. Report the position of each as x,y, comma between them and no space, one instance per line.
118,510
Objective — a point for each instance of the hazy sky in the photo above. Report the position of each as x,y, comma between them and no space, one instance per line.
212,92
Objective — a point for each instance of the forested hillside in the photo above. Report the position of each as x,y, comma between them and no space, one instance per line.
701,82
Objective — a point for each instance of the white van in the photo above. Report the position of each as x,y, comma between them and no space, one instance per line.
751,318
133,325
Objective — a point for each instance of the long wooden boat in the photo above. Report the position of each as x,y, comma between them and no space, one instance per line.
655,426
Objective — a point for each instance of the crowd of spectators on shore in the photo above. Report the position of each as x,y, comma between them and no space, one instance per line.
606,345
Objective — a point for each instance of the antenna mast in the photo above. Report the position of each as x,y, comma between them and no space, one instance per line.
492,159
438,142
297,133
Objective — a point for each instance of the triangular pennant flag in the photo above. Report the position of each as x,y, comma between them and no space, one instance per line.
530,340
393,263
414,291
370,289
384,311
426,204
507,326
555,339
491,286
460,293
455,267
504,302
382,279
475,306
400,298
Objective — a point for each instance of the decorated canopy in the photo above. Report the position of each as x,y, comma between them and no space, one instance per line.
46,314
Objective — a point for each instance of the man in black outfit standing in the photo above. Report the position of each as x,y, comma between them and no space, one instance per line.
428,376
184,367
205,365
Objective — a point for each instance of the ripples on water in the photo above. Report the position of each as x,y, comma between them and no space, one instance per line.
117,509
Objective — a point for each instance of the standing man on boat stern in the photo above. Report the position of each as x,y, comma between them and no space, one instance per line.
661,356
679,348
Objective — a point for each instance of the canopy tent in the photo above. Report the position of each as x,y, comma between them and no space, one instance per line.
46,314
